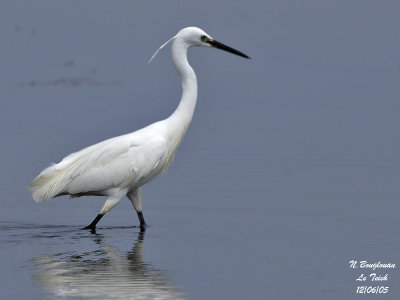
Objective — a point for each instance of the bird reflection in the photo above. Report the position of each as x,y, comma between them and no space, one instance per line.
104,274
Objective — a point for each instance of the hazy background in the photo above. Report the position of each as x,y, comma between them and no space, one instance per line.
290,168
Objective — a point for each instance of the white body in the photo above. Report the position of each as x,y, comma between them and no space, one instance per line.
119,166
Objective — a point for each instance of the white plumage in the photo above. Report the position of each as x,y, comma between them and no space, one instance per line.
117,167
122,162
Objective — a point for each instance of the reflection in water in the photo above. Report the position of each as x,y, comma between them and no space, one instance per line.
104,274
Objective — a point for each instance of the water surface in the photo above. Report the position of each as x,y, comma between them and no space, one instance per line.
290,168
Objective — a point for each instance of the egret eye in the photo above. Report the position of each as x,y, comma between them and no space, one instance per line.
204,38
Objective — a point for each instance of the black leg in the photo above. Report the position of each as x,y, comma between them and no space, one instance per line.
92,225
141,220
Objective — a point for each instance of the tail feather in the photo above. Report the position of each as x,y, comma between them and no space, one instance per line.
48,184
54,180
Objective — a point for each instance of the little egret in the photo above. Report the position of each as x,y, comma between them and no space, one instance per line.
119,166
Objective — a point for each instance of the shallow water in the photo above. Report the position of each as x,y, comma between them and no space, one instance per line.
65,262
290,168
295,241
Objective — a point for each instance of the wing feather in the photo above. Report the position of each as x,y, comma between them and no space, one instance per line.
114,163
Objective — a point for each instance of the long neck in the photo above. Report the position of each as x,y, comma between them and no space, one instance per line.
180,119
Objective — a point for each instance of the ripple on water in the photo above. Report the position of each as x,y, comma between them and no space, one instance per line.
74,263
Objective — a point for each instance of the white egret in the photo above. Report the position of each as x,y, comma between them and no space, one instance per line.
119,166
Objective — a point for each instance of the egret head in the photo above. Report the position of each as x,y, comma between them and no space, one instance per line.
194,36
191,36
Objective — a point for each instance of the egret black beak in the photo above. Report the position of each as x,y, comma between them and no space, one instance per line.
221,46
